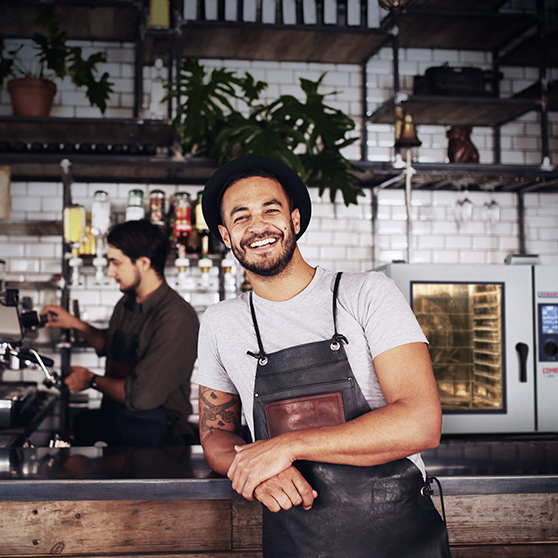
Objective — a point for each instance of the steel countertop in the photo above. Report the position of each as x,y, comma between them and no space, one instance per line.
91,473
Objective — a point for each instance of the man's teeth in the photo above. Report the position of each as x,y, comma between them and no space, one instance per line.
264,242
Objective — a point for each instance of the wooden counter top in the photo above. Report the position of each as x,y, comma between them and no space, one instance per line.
482,467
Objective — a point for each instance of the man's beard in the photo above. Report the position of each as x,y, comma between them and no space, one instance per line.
272,266
132,288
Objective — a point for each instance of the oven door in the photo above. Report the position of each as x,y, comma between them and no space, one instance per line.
479,323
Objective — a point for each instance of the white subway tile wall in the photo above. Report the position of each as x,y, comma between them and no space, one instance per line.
339,238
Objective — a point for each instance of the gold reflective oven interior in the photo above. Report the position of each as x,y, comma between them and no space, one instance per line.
463,324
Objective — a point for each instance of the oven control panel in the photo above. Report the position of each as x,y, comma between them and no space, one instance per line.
548,332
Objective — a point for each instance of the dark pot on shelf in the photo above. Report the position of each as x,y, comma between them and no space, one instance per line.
31,96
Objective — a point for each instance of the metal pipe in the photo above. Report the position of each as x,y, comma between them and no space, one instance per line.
545,145
521,222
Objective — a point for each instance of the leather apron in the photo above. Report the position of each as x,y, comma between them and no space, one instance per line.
384,511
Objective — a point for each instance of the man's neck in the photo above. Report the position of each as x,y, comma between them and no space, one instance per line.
149,283
287,284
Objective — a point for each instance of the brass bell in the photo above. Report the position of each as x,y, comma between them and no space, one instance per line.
406,133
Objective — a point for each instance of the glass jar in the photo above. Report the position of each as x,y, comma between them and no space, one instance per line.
157,207
135,209
100,213
74,224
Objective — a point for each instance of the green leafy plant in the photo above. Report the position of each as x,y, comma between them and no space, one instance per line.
223,116
55,59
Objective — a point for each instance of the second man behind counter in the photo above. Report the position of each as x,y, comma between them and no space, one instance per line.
150,345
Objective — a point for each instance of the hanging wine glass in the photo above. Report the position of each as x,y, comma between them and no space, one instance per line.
463,206
491,208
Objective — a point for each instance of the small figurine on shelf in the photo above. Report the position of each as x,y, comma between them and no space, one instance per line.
460,147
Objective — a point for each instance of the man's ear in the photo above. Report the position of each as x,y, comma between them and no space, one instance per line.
225,236
295,218
144,263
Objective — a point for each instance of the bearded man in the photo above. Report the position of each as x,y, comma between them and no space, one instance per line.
333,375
150,347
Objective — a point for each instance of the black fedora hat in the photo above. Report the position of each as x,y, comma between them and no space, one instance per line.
290,180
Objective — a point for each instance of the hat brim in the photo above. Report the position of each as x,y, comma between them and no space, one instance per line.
291,181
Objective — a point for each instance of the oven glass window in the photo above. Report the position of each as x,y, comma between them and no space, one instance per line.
463,324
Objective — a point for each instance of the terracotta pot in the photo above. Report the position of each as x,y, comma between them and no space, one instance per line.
31,96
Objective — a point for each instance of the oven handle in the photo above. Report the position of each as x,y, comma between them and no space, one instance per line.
522,350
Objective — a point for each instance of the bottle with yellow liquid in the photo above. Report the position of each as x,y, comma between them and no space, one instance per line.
75,236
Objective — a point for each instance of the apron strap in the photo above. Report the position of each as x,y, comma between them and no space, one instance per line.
337,337
261,355
335,341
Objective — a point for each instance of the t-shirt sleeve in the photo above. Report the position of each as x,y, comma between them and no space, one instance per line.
386,316
210,371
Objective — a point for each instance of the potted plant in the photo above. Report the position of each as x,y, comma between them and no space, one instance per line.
32,89
307,135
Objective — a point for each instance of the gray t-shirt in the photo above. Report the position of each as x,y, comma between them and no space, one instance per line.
372,314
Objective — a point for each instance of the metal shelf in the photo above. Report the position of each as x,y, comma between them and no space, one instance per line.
456,111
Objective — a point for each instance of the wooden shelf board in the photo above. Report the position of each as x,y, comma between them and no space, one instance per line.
196,171
86,130
109,168
459,30
100,20
337,45
456,111
33,228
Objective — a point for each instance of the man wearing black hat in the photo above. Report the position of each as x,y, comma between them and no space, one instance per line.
333,375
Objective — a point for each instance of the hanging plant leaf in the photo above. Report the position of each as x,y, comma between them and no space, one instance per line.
222,116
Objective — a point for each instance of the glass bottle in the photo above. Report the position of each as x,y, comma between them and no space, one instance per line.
74,225
202,228
100,214
157,207
182,219
157,107
170,229
135,209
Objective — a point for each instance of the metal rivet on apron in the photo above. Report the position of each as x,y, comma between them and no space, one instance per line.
425,491
335,346
263,361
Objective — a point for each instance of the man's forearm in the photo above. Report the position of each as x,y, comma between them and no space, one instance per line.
112,388
93,336
218,448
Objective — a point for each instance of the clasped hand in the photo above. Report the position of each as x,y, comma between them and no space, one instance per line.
264,471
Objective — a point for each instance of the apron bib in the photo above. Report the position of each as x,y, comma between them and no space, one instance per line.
124,427
383,511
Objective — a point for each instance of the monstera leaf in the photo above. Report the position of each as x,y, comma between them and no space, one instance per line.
222,116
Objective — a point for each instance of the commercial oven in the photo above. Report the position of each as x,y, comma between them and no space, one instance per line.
493,334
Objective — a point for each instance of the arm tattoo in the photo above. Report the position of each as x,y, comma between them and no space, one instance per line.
224,415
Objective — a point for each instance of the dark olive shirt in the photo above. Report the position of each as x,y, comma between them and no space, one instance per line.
166,330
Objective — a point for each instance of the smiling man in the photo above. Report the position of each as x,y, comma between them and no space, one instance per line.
333,375
150,345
